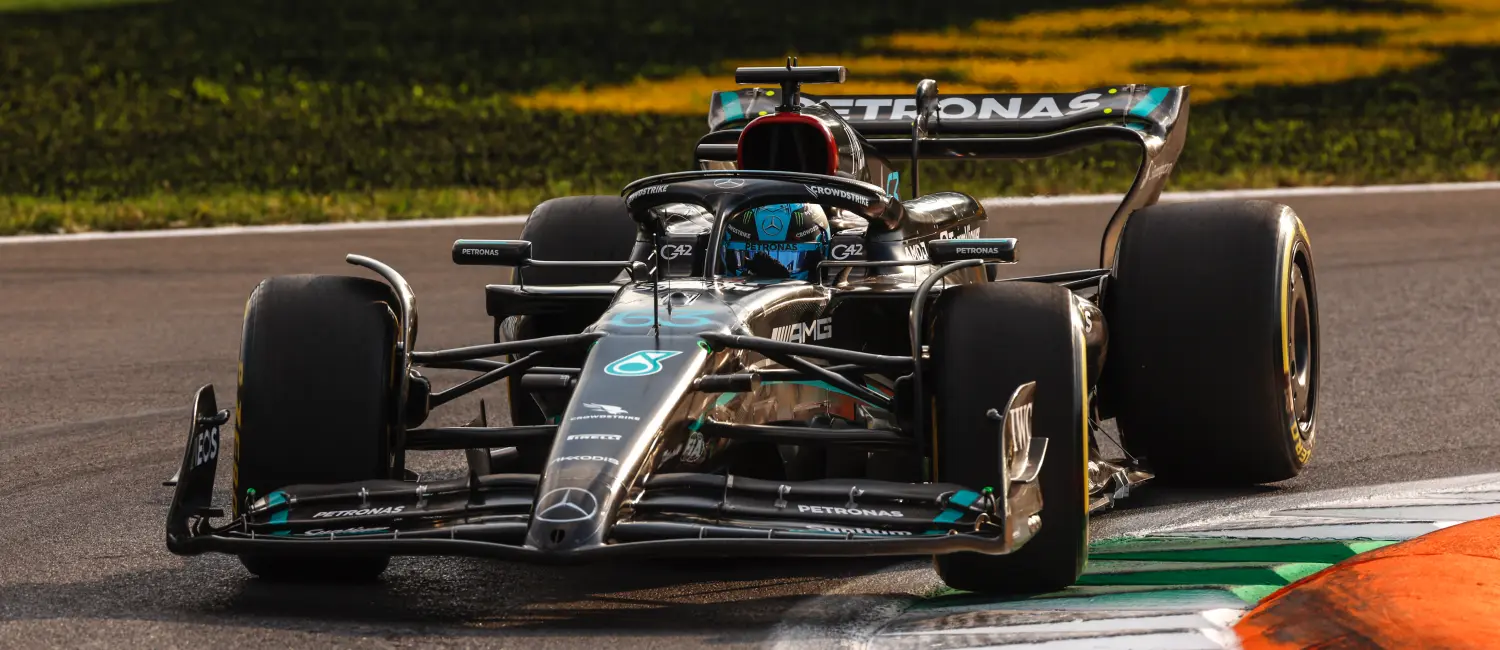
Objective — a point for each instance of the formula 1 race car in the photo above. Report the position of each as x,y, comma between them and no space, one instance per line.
777,354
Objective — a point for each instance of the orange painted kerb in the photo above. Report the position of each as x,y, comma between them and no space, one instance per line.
1440,590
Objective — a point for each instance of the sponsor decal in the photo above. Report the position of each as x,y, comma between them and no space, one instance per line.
729,183
601,459
774,246
966,107
827,510
979,250
856,530
605,412
818,330
645,191
847,251
893,185
1159,171
565,505
595,436
1019,419
968,233
819,191
674,251
695,449
480,251
639,364
919,250
391,510
205,447
771,221
808,231
357,530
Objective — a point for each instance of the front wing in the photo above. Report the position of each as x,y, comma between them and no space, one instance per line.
670,514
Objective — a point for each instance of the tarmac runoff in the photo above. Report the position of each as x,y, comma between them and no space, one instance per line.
1393,566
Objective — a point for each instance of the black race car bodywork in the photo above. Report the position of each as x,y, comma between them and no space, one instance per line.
675,417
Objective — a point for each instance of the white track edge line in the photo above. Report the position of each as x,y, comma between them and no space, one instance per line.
512,220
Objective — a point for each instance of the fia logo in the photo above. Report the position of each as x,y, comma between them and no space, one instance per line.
639,364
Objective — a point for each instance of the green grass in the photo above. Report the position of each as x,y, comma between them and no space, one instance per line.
183,114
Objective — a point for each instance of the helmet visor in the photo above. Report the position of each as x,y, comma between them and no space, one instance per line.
772,259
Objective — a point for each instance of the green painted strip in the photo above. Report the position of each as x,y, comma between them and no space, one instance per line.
1253,594
1228,575
1220,550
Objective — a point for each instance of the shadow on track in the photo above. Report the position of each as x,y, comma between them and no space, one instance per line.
710,599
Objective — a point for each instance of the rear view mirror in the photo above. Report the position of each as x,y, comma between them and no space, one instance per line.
995,251
491,252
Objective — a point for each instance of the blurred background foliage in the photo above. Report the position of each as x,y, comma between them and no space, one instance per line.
117,114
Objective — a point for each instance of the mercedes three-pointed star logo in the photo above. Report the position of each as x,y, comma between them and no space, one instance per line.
729,183
565,505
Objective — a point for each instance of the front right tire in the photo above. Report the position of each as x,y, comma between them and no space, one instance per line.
315,401
987,340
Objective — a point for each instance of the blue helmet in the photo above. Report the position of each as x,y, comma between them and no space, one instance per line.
785,240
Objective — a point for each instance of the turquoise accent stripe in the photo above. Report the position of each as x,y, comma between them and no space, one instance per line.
1152,100
825,386
964,498
275,499
720,401
948,516
732,110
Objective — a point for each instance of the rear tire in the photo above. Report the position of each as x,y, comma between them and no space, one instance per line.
989,339
580,228
315,400
1213,361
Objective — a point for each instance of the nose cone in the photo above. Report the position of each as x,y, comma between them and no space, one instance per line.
629,386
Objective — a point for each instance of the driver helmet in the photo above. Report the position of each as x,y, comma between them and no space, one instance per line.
785,240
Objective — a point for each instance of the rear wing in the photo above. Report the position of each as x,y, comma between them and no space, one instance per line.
991,114
924,126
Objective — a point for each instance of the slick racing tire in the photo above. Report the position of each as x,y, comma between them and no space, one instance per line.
988,339
578,228
1212,372
316,388
574,228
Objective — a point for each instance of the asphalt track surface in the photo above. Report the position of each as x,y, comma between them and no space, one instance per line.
105,341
